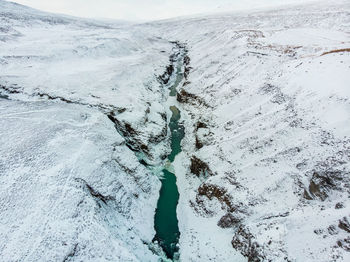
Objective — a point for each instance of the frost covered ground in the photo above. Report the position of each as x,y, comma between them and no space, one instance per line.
264,172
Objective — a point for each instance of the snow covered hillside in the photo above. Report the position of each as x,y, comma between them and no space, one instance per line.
71,188
265,167
264,171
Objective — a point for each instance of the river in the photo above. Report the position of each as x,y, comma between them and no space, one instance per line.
166,222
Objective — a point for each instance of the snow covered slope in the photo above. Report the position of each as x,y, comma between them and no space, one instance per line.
71,187
264,172
265,167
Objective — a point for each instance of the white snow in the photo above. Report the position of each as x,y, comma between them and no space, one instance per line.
276,108
279,111
52,152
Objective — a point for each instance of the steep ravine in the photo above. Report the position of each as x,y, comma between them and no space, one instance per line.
166,222
247,158
165,241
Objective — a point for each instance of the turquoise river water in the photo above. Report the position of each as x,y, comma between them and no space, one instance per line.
166,223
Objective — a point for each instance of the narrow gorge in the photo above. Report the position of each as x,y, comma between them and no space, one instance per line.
166,222
220,137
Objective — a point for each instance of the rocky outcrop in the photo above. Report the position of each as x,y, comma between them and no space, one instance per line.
130,135
244,241
199,167
212,191
187,98
344,224
187,69
229,221
95,194
164,78
321,183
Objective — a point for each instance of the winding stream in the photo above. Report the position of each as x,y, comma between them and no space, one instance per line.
166,223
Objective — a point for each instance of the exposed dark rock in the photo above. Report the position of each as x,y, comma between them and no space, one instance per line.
99,196
14,89
296,123
332,230
133,142
236,91
201,125
279,98
164,116
200,207
121,110
269,89
199,144
186,83
327,139
339,205
11,90
144,163
186,97
125,168
94,193
276,216
321,183
318,231
164,78
344,244
50,97
169,70
125,129
228,221
4,96
187,60
160,137
187,72
344,224
243,241
256,53
198,167
213,191
71,254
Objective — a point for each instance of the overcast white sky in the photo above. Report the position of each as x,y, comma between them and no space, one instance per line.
146,9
